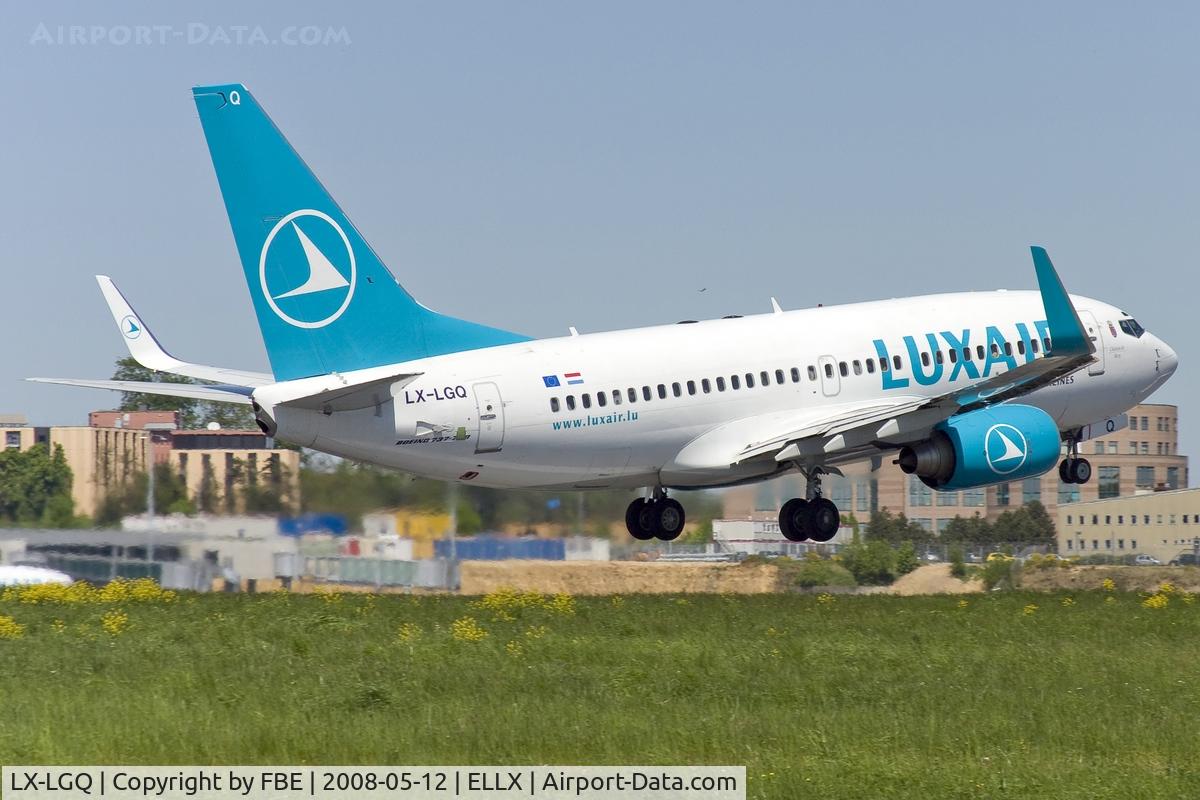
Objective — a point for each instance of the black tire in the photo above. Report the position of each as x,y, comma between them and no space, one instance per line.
1080,470
668,519
638,510
793,520
1064,471
825,520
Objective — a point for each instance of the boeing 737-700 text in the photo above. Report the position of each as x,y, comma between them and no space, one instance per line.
965,390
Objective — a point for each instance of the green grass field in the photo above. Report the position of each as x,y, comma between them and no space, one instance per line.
1095,695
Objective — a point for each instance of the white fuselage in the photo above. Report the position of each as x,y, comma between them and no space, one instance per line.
496,418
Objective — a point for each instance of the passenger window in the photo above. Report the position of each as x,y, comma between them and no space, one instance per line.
646,393
1008,348
749,380
734,382
829,370
765,378
633,395
897,362
571,402
662,392
843,369
795,374
870,366
691,387
554,404
979,352
883,365
676,389
925,359
812,372
966,354
1021,347
1046,342
779,376
720,384
587,400
857,367
938,357
953,356
616,397
705,385
601,399
1033,345
995,349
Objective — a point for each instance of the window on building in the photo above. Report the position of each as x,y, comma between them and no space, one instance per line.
1145,448
1031,489
1068,493
1145,423
1172,477
1133,448
975,498
12,440
1099,448
1109,482
918,493
1002,495
1133,423
1112,448
1145,477
947,498
1133,543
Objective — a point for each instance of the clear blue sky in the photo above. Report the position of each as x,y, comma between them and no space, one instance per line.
539,165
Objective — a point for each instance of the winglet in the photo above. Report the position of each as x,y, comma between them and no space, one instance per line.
1067,334
142,345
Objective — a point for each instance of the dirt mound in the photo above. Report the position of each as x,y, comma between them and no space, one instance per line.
1127,579
932,579
618,577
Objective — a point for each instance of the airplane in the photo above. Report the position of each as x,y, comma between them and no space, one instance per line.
962,390
32,576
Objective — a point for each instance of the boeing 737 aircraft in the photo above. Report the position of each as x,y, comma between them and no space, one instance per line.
962,390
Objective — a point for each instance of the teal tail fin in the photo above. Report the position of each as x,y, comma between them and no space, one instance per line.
325,302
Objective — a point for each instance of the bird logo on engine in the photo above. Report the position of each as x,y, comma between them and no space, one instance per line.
1005,448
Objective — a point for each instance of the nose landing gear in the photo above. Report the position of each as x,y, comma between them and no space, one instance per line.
1074,469
659,517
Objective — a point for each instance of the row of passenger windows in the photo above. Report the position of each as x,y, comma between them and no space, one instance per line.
735,382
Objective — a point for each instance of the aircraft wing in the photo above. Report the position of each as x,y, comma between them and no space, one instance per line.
221,393
886,424
147,351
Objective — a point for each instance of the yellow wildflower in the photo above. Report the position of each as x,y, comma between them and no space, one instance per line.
10,628
466,629
114,622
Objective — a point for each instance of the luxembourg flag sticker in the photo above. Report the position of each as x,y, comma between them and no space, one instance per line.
573,378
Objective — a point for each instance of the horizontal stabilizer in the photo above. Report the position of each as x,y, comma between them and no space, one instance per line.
220,393
354,396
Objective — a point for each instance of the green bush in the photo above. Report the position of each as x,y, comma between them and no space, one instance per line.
957,567
998,573
809,574
871,564
906,559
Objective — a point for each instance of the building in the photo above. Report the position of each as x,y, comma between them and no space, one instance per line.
1143,457
157,421
235,471
1161,524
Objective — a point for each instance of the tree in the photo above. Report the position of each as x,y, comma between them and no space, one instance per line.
192,413
35,487
872,563
896,529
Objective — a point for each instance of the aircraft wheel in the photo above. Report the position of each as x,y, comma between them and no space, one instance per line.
638,520
794,520
1080,470
825,520
1064,471
668,519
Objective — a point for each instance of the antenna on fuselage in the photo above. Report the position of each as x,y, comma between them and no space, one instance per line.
775,306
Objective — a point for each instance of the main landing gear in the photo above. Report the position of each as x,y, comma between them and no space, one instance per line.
816,518
1074,469
659,517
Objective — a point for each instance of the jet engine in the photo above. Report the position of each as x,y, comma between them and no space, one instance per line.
978,448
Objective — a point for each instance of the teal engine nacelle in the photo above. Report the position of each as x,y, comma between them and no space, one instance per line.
991,445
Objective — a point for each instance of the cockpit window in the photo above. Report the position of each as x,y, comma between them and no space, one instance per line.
1131,327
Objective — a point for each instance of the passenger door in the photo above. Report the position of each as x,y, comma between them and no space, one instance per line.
491,418
1096,334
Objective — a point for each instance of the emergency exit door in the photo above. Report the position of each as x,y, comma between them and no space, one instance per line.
490,437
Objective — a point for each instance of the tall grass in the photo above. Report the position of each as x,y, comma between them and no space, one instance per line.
1004,695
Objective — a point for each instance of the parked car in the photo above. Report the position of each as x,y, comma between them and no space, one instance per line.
1146,560
998,556
973,558
1183,560
932,558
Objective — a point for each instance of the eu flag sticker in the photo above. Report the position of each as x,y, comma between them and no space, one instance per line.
551,381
